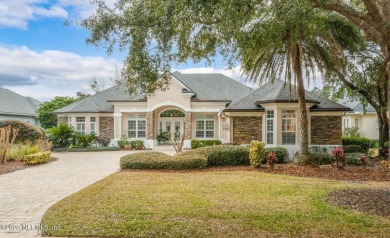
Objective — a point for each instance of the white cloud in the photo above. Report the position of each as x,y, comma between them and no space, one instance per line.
81,9
17,13
51,73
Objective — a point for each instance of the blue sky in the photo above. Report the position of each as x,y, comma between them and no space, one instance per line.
41,57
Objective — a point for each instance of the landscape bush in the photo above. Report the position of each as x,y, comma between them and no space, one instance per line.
202,143
219,155
322,158
353,159
61,135
281,153
103,141
27,131
257,154
157,160
224,155
84,141
351,148
18,151
137,144
38,158
364,143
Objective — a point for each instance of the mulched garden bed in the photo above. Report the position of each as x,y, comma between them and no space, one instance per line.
12,166
368,201
350,173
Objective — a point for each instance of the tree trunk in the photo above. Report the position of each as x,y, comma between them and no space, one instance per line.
383,126
303,121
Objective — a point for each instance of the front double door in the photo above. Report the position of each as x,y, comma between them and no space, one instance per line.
174,126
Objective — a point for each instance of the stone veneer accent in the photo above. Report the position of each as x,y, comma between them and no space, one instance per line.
188,126
106,126
326,130
246,129
150,129
62,120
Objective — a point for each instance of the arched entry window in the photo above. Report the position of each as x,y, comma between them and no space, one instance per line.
172,113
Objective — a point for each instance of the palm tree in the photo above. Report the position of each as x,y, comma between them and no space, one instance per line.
295,40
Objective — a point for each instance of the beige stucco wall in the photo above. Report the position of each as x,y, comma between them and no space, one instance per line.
172,95
367,124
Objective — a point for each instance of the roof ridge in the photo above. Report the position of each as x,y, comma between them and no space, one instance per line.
201,85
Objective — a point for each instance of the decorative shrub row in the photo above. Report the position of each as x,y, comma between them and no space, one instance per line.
223,155
219,155
37,158
89,149
281,154
134,144
27,131
18,151
202,143
158,160
351,148
352,159
322,158
364,143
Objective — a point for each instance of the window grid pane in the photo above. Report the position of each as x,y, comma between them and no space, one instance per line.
288,127
80,119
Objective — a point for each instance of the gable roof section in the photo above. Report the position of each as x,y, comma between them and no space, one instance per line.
100,102
356,105
15,104
279,92
213,87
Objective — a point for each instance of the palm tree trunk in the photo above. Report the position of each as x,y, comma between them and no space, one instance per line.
303,121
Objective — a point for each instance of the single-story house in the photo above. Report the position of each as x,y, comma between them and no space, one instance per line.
207,106
14,106
365,119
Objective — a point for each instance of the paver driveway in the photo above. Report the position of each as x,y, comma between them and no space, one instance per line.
26,195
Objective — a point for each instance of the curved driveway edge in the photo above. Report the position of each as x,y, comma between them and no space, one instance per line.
26,195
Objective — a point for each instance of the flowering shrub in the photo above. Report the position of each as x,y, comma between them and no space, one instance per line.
272,159
363,160
340,157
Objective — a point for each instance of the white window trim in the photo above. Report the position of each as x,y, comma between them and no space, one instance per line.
273,126
81,123
296,126
137,118
204,126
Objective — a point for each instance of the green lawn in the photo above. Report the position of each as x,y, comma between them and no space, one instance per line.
209,204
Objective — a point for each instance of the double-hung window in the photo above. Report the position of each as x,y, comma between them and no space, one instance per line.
289,128
136,126
80,125
93,125
205,126
270,127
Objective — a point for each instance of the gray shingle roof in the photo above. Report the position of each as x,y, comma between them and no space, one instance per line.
356,105
279,91
213,87
16,104
99,101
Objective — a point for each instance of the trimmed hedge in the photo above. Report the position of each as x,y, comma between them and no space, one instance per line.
322,158
281,154
224,155
27,131
37,158
364,143
135,144
89,149
257,154
202,143
218,155
157,160
351,148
